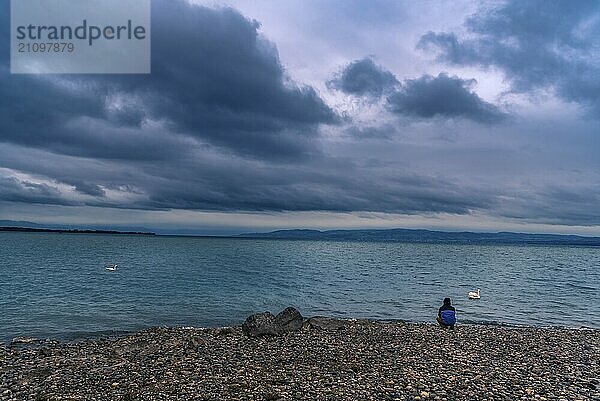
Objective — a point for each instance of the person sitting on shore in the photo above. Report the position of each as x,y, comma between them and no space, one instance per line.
447,315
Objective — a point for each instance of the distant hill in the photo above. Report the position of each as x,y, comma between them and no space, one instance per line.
428,236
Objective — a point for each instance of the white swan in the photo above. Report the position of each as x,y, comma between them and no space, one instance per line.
475,295
111,267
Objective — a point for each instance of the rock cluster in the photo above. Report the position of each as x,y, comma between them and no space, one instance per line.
323,360
265,324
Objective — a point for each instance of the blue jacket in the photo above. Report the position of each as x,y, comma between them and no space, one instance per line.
448,315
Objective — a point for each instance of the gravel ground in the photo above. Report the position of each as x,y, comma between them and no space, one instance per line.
361,361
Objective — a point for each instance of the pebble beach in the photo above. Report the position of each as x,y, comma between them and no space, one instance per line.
324,360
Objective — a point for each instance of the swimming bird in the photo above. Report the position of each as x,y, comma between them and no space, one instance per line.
111,267
475,295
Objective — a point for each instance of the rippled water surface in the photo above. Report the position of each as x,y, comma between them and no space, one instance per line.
56,284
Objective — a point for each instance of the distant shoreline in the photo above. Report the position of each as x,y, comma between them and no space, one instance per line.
73,231
429,237
408,236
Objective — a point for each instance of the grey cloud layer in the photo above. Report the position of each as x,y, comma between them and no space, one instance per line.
424,97
537,44
219,125
227,183
216,126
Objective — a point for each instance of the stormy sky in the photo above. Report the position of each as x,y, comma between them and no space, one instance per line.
261,115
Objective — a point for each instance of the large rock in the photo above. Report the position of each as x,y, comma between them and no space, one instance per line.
265,324
288,320
260,324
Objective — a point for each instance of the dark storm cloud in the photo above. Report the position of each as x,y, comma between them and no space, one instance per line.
14,190
364,77
213,78
442,96
538,44
211,182
328,186
425,97
232,185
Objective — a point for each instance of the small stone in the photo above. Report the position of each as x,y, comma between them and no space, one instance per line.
23,340
225,331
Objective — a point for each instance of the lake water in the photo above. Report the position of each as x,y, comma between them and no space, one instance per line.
55,285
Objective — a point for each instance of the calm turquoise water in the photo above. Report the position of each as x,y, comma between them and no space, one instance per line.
55,285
